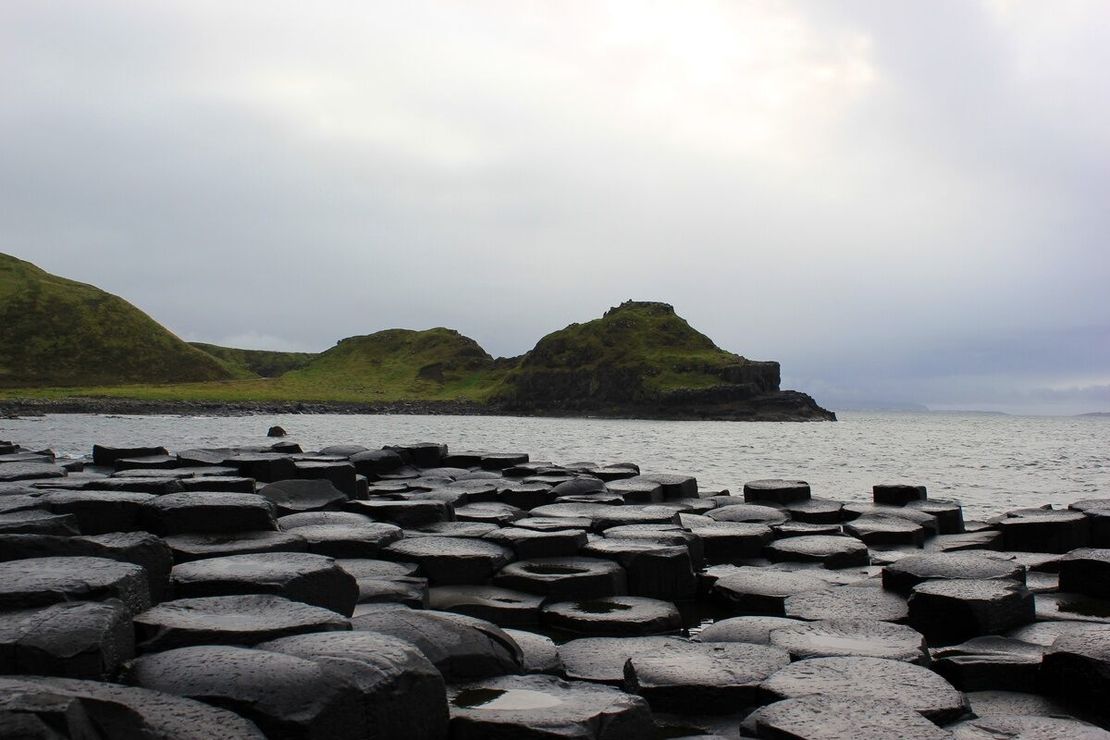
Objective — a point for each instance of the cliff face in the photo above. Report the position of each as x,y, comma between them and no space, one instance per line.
642,359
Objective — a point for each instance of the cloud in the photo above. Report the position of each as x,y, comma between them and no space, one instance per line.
875,199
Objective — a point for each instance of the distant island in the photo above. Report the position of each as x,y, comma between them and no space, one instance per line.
69,346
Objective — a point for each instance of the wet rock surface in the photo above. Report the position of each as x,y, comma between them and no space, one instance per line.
352,591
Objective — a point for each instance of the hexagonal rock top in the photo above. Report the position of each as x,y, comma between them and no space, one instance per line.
906,573
833,718
776,491
43,581
451,560
870,679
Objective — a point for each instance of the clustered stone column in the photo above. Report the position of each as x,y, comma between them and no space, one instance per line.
412,592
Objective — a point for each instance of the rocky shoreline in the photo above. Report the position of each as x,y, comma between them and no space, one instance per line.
786,408
412,591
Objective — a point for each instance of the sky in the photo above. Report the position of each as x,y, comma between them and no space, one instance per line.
900,202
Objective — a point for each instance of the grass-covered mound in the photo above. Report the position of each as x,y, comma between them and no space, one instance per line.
56,332
638,354
254,363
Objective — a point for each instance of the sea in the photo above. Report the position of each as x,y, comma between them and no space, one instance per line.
990,463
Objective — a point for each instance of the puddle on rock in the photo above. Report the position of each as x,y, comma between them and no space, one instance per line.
505,699
600,606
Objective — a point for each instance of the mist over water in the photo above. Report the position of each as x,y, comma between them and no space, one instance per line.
990,463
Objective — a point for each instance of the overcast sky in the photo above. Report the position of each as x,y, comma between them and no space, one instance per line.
898,201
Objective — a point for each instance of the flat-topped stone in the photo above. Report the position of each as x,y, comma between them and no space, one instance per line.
541,654
903,575
1086,571
897,494
950,611
405,514
613,616
38,521
729,542
748,513
299,576
208,512
653,570
186,547
832,718
451,560
703,678
564,578
875,679
539,706
847,602
75,639
602,659
990,662
362,540
125,711
401,693
754,629
830,551
230,620
852,637
774,491
539,543
35,582
294,496
461,647
501,606
99,512
749,590
1045,530
1077,668
992,726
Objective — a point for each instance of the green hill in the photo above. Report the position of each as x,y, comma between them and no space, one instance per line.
254,363
642,358
58,332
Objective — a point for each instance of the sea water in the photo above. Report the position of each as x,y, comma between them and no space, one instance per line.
990,463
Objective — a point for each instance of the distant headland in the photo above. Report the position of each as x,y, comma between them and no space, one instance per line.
67,346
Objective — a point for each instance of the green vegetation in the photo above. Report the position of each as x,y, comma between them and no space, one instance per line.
254,363
58,332
60,339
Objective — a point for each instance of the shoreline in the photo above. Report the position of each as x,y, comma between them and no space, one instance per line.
27,407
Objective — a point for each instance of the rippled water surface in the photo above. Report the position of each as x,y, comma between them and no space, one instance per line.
990,463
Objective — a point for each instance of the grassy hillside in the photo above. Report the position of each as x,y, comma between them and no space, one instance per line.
56,332
637,352
253,363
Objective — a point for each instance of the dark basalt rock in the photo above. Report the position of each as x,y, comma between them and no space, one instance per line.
299,576
1052,606
847,602
34,582
402,694
829,551
230,620
873,679
276,431
805,529
703,678
1044,633
636,490
107,456
653,570
852,637
462,648
925,520
451,560
990,663
906,573
776,491
897,494
139,548
602,659
729,542
340,474
290,522
671,535
365,540
20,471
949,515
344,450
565,578
231,483
475,530
833,718
674,486
1045,530
879,531
99,512
748,590
266,467
284,695
405,514
532,543
756,630
537,707
502,460
1097,512
613,616
949,611
373,463
814,511
992,726
74,639
501,606
36,521
208,512
295,496
541,654
156,485
187,547
1086,571
1077,668
748,513
421,454
491,512
114,711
